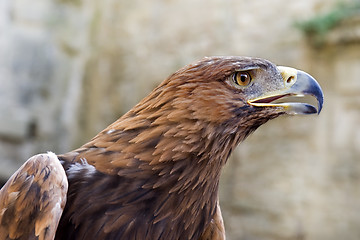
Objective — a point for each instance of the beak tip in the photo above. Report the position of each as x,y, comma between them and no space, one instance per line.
312,87
320,105
320,99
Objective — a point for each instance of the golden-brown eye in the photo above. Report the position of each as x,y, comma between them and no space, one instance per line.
242,78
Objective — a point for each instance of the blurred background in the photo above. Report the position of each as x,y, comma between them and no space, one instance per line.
68,68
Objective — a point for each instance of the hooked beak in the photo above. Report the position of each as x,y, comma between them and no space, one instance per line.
296,84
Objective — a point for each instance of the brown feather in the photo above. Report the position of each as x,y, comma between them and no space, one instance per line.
32,201
215,230
154,173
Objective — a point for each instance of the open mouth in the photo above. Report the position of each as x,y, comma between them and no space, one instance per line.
291,103
271,99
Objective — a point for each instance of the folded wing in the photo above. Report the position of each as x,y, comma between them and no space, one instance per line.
33,199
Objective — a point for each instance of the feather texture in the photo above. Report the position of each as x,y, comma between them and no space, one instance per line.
154,173
32,201
157,168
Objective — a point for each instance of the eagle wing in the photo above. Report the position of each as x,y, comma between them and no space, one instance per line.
216,229
33,199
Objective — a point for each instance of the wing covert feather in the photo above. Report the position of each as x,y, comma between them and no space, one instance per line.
216,229
33,199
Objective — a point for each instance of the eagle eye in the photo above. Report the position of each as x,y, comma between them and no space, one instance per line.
242,78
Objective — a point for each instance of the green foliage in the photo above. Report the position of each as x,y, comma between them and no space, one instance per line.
320,25
71,2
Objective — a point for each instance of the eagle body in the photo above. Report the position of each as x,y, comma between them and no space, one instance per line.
154,173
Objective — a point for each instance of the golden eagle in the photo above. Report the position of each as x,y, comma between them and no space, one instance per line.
154,173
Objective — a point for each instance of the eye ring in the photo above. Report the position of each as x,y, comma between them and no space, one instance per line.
242,79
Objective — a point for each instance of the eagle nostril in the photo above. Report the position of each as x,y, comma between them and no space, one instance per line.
290,79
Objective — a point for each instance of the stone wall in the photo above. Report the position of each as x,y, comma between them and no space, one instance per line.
68,68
